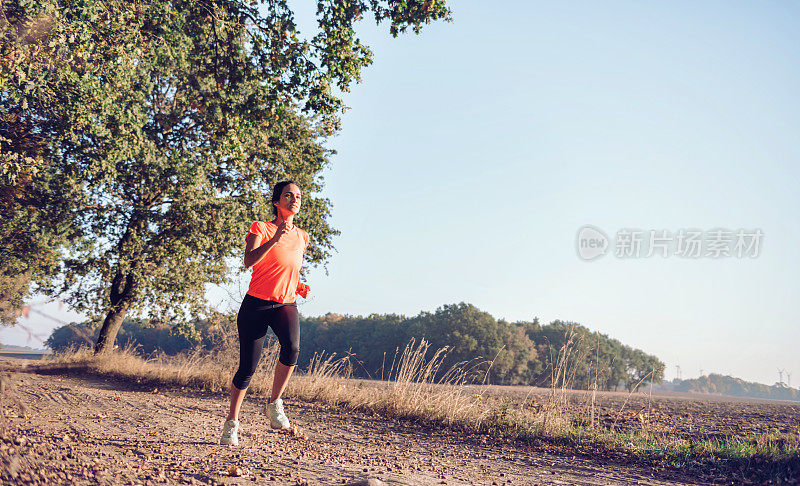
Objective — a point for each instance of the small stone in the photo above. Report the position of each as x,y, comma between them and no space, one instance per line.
367,482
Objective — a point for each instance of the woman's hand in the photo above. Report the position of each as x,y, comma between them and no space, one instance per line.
282,229
302,290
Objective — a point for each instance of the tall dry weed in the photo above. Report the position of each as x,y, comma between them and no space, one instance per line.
415,386
555,416
418,386
326,379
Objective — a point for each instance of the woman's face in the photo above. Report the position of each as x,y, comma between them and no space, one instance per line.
289,202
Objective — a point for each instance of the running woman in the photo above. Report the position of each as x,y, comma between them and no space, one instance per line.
275,251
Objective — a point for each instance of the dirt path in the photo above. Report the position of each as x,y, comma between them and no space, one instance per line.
90,430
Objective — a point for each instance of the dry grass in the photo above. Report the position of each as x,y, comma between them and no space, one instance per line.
418,388
198,368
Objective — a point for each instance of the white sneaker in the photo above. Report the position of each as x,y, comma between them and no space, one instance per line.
230,433
277,419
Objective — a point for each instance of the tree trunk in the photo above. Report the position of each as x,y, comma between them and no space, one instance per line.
111,325
121,297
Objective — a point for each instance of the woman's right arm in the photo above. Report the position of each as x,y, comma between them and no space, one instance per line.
254,251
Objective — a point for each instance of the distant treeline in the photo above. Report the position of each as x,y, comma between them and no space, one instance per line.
521,353
728,385
136,333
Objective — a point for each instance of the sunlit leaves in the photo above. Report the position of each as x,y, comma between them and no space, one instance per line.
169,122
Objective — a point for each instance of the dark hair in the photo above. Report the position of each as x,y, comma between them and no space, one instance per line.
277,191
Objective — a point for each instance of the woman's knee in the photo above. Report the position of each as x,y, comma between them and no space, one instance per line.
289,354
241,379
247,369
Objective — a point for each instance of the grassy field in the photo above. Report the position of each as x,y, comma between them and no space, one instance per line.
672,432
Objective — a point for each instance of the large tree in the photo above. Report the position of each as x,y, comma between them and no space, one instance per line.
168,122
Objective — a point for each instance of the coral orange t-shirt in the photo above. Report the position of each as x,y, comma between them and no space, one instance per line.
276,276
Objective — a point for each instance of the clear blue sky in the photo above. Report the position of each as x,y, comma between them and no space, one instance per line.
474,152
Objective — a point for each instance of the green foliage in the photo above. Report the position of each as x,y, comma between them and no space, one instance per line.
167,123
522,353
372,339
140,334
34,204
466,331
71,336
36,219
597,357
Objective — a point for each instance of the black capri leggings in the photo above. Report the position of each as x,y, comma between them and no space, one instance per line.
255,317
